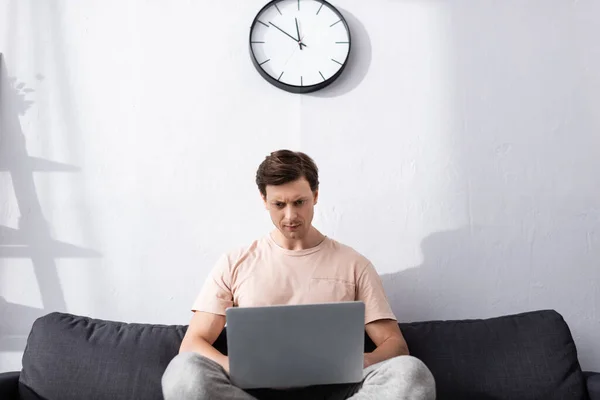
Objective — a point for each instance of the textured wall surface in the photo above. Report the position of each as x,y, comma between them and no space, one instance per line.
459,152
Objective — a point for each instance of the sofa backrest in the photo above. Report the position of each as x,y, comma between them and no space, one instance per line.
71,357
525,356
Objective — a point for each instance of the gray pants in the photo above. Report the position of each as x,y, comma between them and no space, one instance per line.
191,376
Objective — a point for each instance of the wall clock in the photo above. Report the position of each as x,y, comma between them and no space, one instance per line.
299,45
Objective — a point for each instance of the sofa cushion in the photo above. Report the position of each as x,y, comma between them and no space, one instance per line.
72,357
526,356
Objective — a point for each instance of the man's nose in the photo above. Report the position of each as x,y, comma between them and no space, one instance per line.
290,213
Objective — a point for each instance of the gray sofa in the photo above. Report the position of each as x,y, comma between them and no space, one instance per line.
518,357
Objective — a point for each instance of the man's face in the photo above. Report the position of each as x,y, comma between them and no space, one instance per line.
291,207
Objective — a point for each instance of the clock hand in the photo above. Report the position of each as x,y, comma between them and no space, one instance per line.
298,32
295,40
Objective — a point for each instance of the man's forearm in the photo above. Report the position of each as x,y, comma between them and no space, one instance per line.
205,349
392,347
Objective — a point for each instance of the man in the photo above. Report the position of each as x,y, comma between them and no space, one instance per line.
294,264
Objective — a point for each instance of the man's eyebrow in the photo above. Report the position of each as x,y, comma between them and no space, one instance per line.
283,201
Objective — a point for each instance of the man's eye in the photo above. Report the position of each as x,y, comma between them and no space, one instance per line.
278,205
299,202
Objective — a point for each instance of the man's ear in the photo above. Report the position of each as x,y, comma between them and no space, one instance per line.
316,197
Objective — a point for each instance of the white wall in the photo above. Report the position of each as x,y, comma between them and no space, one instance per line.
459,152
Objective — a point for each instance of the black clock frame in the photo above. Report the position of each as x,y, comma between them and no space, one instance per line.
294,88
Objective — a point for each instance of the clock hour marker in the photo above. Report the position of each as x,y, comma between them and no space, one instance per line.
301,81
256,42
263,23
278,9
319,10
298,5
336,61
342,42
280,75
321,75
266,61
335,23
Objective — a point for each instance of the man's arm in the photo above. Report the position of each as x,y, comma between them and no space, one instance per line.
389,341
202,332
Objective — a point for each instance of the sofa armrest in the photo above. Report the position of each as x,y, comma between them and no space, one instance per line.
9,385
593,384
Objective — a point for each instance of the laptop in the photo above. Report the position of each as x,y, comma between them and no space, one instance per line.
288,346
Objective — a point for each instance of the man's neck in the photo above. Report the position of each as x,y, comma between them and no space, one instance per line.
312,239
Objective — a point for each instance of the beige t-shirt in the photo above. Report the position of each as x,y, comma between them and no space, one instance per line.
266,274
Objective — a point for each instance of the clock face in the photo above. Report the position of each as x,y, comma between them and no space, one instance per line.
299,45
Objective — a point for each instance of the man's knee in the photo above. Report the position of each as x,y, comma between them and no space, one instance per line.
183,377
409,371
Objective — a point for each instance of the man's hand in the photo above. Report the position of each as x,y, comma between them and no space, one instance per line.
369,360
225,364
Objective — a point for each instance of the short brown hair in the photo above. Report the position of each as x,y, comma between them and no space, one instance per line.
284,166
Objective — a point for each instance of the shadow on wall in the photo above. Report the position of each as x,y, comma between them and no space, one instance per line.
32,240
460,275
481,272
358,62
